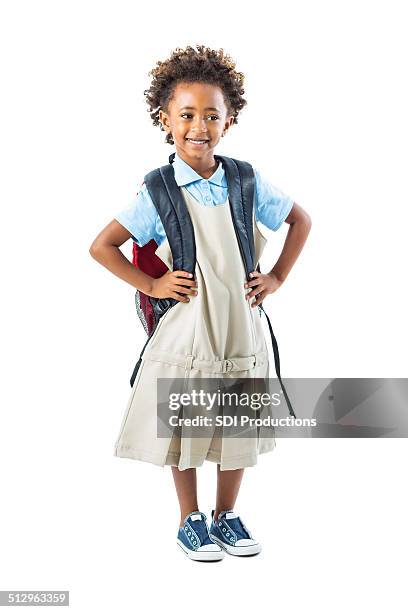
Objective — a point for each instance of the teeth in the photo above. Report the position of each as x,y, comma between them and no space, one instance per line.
196,141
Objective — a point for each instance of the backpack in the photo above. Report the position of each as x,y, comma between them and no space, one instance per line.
174,215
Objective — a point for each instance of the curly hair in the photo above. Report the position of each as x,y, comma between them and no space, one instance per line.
200,64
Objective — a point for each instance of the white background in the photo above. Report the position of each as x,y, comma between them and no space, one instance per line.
326,121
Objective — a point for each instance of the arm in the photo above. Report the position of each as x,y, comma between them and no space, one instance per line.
300,224
105,249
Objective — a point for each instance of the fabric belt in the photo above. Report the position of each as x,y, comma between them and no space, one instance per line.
222,366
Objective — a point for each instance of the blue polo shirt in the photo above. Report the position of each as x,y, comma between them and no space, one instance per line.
141,219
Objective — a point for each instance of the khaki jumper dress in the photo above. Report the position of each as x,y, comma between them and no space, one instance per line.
217,334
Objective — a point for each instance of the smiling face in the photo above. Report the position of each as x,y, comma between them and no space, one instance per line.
197,117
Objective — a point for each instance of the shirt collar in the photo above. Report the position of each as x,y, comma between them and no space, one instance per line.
185,174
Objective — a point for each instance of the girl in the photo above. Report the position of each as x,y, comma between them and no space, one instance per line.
195,97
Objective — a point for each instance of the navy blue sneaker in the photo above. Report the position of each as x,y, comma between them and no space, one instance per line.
231,534
194,540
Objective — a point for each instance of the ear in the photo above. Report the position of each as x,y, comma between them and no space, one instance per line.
164,120
228,122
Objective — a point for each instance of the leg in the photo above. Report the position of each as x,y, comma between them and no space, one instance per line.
186,487
228,484
240,542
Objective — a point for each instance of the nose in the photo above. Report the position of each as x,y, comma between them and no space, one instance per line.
199,125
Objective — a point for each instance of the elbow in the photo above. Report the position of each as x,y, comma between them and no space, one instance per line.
307,225
94,250
305,219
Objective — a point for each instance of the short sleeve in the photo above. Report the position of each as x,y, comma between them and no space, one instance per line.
140,218
272,206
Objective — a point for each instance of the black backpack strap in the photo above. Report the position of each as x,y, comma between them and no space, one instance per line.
174,215
241,181
241,189
138,364
179,227
247,178
277,362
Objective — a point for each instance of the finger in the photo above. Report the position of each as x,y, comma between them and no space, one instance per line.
255,273
182,288
183,273
185,282
259,299
253,293
253,283
179,297
185,290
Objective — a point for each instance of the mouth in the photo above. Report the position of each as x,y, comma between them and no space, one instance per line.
199,142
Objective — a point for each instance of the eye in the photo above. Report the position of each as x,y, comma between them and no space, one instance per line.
189,115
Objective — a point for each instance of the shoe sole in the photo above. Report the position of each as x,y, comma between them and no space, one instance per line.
205,555
238,551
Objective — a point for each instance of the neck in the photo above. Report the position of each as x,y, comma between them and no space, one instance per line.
205,166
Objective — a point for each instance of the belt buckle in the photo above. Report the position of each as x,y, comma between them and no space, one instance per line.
228,365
